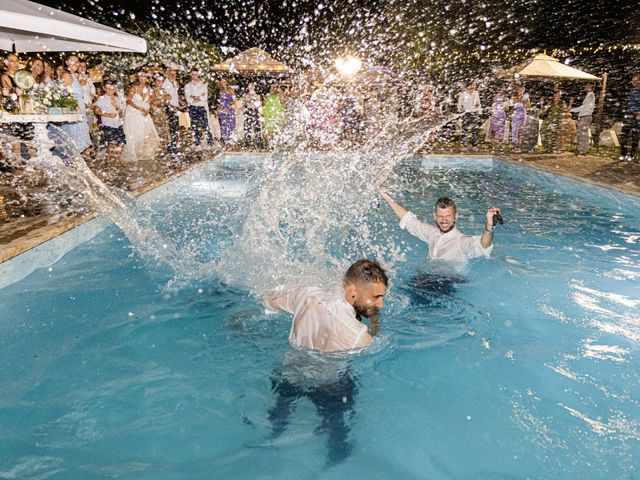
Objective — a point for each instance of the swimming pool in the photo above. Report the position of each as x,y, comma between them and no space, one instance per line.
522,366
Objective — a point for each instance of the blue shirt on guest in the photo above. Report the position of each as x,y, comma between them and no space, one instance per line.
634,100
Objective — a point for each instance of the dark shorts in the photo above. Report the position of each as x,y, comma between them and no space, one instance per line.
114,135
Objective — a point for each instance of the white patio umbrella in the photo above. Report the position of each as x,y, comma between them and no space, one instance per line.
30,27
544,66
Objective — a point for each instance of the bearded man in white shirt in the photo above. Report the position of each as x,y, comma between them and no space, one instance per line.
330,321
445,241
326,322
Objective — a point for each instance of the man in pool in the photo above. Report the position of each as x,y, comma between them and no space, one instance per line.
331,321
326,322
445,241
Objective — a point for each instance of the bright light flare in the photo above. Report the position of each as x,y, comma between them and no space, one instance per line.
348,66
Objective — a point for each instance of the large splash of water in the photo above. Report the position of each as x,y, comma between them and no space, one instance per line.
306,221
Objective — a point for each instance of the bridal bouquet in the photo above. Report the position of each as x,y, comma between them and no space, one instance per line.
53,95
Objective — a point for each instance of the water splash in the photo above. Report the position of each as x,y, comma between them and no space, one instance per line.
303,208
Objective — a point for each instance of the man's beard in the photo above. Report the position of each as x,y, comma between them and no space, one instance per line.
371,312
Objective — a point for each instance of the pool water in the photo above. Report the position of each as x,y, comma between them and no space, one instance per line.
524,365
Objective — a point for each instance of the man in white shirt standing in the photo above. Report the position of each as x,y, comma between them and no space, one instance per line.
585,114
197,96
170,87
470,107
445,241
89,90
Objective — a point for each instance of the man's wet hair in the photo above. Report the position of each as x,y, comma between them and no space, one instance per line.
444,202
366,271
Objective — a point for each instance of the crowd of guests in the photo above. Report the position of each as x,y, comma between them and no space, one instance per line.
157,111
162,110
517,121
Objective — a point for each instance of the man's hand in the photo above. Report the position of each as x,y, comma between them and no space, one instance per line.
490,213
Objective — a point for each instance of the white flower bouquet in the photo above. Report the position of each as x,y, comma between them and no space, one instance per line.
53,95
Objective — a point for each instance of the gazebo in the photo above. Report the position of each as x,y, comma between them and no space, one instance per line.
544,67
252,61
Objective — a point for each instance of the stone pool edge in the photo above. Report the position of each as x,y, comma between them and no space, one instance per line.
70,233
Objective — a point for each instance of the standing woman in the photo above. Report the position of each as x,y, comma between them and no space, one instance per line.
77,131
518,118
273,113
141,135
158,101
47,72
37,70
252,106
498,116
226,112
552,122
10,94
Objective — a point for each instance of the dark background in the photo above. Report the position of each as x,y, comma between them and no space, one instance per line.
384,26
445,41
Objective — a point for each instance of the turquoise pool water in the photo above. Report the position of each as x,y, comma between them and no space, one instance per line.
525,365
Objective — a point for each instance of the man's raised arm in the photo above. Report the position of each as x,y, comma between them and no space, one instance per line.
397,208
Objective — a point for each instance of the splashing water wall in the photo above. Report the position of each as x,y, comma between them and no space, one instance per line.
303,208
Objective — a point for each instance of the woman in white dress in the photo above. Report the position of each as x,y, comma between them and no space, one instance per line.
143,140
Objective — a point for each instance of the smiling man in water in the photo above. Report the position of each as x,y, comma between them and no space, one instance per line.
445,241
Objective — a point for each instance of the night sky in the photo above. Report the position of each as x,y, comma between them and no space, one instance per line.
446,41
322,27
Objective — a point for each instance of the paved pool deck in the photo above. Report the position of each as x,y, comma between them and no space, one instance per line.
25,228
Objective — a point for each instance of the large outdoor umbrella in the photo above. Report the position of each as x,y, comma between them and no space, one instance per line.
253,60
546,67
30,27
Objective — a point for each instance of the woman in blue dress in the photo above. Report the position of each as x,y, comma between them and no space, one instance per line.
78,131
226,112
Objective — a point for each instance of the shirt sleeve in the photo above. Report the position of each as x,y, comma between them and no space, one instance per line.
415,227
100,104
472,247
280,300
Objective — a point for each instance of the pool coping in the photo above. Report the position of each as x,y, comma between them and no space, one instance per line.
70,233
